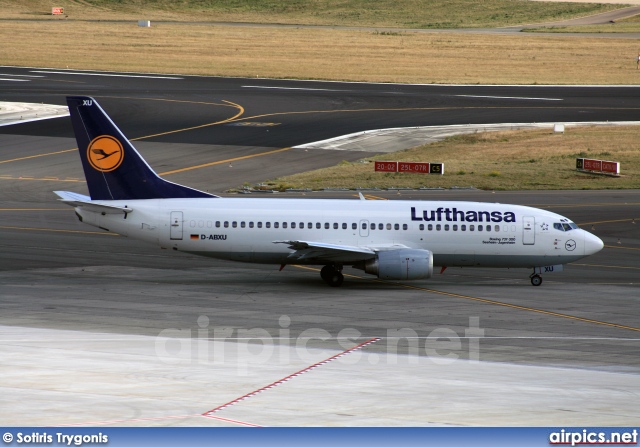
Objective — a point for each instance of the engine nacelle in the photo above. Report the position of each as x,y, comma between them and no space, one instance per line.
400,264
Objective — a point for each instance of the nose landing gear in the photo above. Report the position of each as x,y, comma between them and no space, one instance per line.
332,275
536,279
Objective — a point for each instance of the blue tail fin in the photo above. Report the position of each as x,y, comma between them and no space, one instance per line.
113,168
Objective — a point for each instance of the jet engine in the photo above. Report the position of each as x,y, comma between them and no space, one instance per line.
399,264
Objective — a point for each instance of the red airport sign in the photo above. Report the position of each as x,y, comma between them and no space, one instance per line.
598,166
413,168
386,166
409,167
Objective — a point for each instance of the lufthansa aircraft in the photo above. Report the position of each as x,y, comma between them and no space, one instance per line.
399,240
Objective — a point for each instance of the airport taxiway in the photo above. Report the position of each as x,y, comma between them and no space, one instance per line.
98,329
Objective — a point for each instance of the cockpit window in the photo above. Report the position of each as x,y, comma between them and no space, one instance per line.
564,226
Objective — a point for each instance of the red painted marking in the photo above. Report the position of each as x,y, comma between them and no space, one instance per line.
186,416
291,376
119,421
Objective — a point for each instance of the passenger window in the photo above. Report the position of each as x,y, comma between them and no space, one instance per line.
276,224
405,227
217,224
446,227
354,226
438,227
380,226
455,228
421,227
479,227
284,225
463,228
318,225
293,224
234,224
310,225
430,227
471,227
226,224
344,226
267,224
373,226
326,225
335,225
396,226
496,228
388,226
488,227
364,225
250,224
259,224
302,225
242,224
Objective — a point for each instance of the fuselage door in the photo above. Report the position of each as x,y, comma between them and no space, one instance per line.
528,230
364,228
176,226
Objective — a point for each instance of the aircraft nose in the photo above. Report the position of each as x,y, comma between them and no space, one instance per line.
592,243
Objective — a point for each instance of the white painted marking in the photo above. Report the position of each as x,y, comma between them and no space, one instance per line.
23,112
415,136
20,76
103,74
510,97
294,88
15,80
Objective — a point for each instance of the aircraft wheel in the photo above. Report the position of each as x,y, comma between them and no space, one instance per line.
335,279
536,280
326,272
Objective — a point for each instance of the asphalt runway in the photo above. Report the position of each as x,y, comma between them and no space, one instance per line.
84,313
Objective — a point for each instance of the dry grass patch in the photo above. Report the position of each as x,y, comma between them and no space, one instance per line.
510,160
607,28
380,13
320,53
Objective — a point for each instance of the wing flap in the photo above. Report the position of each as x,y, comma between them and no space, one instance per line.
321,252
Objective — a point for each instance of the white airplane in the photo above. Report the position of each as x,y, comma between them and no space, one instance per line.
397,240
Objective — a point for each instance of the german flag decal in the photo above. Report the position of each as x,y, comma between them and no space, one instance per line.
195,237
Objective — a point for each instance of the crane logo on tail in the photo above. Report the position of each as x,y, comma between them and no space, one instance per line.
105,153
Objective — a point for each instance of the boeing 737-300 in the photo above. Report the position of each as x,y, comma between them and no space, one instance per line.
395,240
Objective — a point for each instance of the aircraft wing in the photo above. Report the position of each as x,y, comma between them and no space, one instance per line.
75,199
320,252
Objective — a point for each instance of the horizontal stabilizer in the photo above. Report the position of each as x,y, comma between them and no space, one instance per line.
79,200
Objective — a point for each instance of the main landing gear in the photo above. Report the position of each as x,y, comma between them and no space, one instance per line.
332,275
536,279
